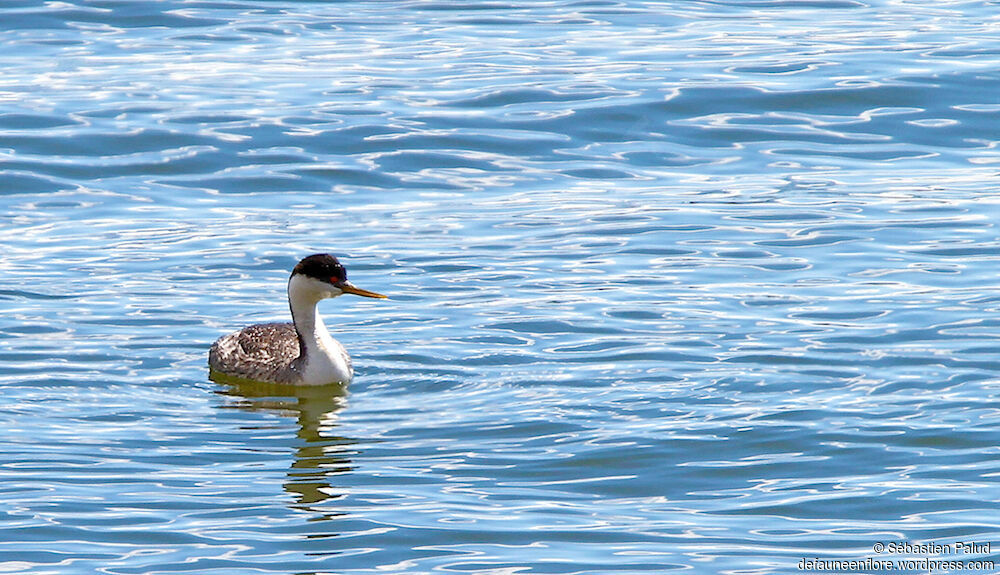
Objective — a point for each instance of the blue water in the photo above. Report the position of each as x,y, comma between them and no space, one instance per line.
695,287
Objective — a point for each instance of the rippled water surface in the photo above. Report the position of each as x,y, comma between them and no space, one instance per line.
704,287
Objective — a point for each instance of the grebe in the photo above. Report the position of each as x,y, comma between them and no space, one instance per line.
298,353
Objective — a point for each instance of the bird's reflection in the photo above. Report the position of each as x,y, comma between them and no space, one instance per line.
321,453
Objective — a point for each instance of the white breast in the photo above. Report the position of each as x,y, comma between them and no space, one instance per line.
326,359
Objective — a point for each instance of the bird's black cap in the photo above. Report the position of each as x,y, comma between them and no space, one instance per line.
323,267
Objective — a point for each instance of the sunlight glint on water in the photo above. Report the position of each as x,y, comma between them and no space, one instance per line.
705,287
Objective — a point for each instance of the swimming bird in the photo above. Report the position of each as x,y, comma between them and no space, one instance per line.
298,353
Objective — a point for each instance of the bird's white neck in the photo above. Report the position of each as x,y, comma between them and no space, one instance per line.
321,358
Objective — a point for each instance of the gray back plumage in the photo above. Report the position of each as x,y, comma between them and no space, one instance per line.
262,352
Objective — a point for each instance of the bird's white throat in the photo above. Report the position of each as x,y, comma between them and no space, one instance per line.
322,358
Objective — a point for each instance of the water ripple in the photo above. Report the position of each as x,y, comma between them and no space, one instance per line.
709,285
